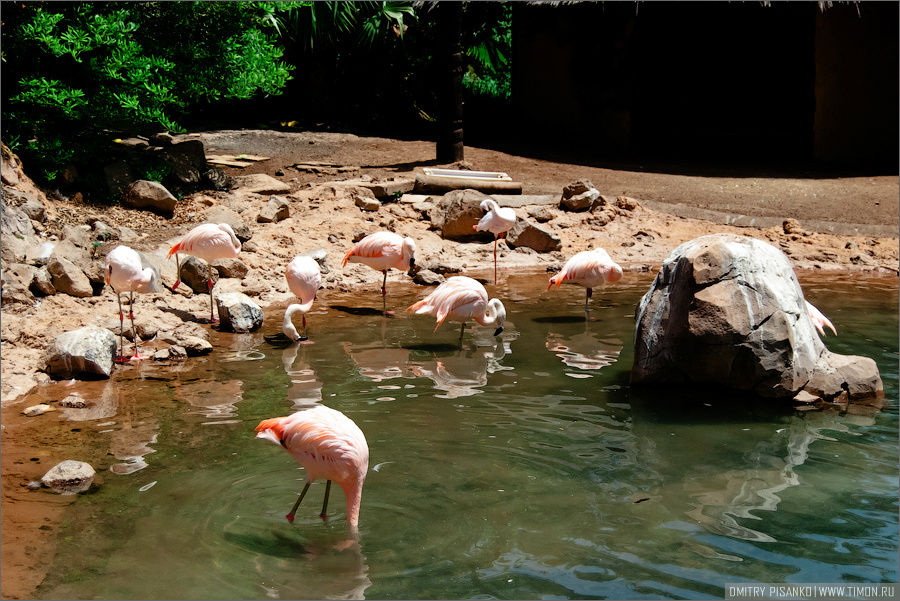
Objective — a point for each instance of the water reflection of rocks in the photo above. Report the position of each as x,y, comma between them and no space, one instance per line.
455,372
131,432
213,400
764,466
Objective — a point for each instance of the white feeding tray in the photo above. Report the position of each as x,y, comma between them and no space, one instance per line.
462,174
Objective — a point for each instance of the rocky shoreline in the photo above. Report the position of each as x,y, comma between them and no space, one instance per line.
54,248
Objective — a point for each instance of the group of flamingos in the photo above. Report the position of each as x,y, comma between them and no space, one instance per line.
324,441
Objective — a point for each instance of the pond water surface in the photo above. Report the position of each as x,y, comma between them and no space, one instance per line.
519,467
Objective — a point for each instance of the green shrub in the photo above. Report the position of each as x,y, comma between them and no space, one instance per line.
77,75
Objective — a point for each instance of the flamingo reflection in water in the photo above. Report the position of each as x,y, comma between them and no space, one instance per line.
456,373
584,350
306,389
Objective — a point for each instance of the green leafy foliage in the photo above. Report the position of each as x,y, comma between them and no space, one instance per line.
78,74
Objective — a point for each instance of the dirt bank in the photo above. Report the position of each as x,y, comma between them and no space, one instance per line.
638,236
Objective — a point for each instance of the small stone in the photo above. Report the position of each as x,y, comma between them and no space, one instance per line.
260,183
195,346
426,277
37,410
68,278
359,235
277,209
69,477
73,402
161,355
238,313
230,268
144,194
367,204
626,203
805,397
791,226
177,352
851,245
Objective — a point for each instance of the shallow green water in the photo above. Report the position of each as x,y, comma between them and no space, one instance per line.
519,468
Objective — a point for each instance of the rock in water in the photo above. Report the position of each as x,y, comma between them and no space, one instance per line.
728,310
238,313
87,353
69,477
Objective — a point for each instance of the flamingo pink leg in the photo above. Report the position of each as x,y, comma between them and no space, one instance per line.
209,284
495,259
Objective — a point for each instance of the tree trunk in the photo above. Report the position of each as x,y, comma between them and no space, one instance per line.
450,95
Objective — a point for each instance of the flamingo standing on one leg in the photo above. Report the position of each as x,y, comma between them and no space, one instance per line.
461,298
818,319
303,278
589,268
497,221
207,241
125,272
382,251
328,445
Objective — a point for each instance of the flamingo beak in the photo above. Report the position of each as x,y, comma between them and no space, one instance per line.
498,331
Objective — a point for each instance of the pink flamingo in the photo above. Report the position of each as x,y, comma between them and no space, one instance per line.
207,241
496,221
589,268
126,273
818,319
461,298
303,278
382,251
328,445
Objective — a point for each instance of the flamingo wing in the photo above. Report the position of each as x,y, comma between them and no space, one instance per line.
303,278
377,245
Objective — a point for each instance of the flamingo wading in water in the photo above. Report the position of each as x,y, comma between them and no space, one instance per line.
819,320
303,278
125,272
589,268
497,221
382,251
461,298
207,241
329,445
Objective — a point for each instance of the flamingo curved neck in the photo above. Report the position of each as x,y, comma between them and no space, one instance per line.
353,491
287,325
491,314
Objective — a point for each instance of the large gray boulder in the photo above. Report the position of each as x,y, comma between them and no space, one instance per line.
86,353
728,310
238,313
456,214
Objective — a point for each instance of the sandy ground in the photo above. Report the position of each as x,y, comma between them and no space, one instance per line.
846,224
